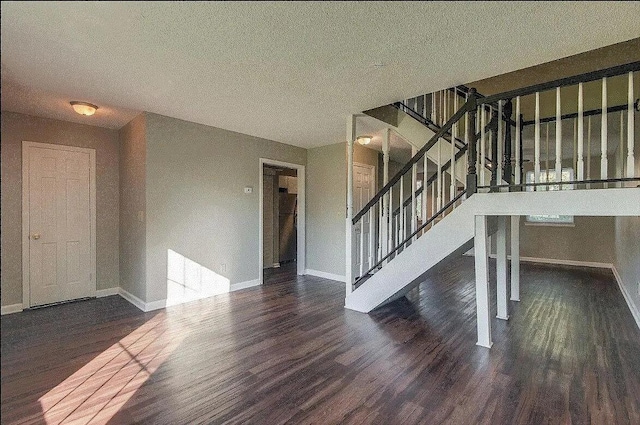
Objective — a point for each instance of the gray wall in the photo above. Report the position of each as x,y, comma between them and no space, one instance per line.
326,208
590,240
19,127
326,204
195,203
133,206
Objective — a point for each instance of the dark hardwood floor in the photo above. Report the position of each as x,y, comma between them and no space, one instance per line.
288,352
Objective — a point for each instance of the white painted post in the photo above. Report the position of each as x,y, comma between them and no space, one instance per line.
580,167
621,149
351,135
558,139
483,153
515,258
454,134
361,269
425,190
500,143
390,235
501,269
372,234
414,187
402,215
440,185
536,173
630,129
589,151
518,141
433,202
603,133
482,282
385,199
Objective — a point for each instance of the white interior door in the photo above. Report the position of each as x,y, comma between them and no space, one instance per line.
60,206
363,191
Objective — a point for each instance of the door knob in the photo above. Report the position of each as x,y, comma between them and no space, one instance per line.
36,236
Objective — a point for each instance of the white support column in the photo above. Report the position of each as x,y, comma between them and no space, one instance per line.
500,142
518,141
603,133
515,258
384,240
580,167
483,315
501,269
390,234
620,152
630,129
558,138
536,165
351,136
483,153
589,151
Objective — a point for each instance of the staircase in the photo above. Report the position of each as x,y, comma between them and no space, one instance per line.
411,228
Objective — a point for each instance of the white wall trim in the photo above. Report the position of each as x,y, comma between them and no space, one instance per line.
11,308
107,292
244,285
627,297
25,212
325,275
563,262
133,299
157,305
555,261
301,229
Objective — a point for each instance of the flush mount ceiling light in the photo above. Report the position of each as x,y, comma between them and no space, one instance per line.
363,140
83,108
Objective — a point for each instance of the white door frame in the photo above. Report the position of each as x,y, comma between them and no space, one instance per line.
26,302
301,259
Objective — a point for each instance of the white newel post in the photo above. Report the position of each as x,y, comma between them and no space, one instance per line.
501,269
482,282
515,258
351,135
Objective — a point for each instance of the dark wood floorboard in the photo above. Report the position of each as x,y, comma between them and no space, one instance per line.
288,352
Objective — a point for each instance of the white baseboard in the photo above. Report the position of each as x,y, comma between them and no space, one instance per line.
325,275
107,292
133,299
555,261
11,308
244,285
627,297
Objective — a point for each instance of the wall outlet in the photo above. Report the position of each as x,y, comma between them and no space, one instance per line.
141,216
223,268
639,288
248,189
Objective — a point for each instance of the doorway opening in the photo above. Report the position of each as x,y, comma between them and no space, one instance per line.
282,221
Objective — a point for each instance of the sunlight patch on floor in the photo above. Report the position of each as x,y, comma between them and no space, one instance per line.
100,388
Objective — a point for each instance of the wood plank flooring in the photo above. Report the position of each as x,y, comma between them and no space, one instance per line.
288,352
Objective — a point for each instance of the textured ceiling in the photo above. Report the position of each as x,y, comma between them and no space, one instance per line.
289,72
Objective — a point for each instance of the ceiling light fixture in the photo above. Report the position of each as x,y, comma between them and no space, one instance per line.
363,140
83,108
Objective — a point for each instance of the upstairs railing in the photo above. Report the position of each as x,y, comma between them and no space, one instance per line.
409,205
